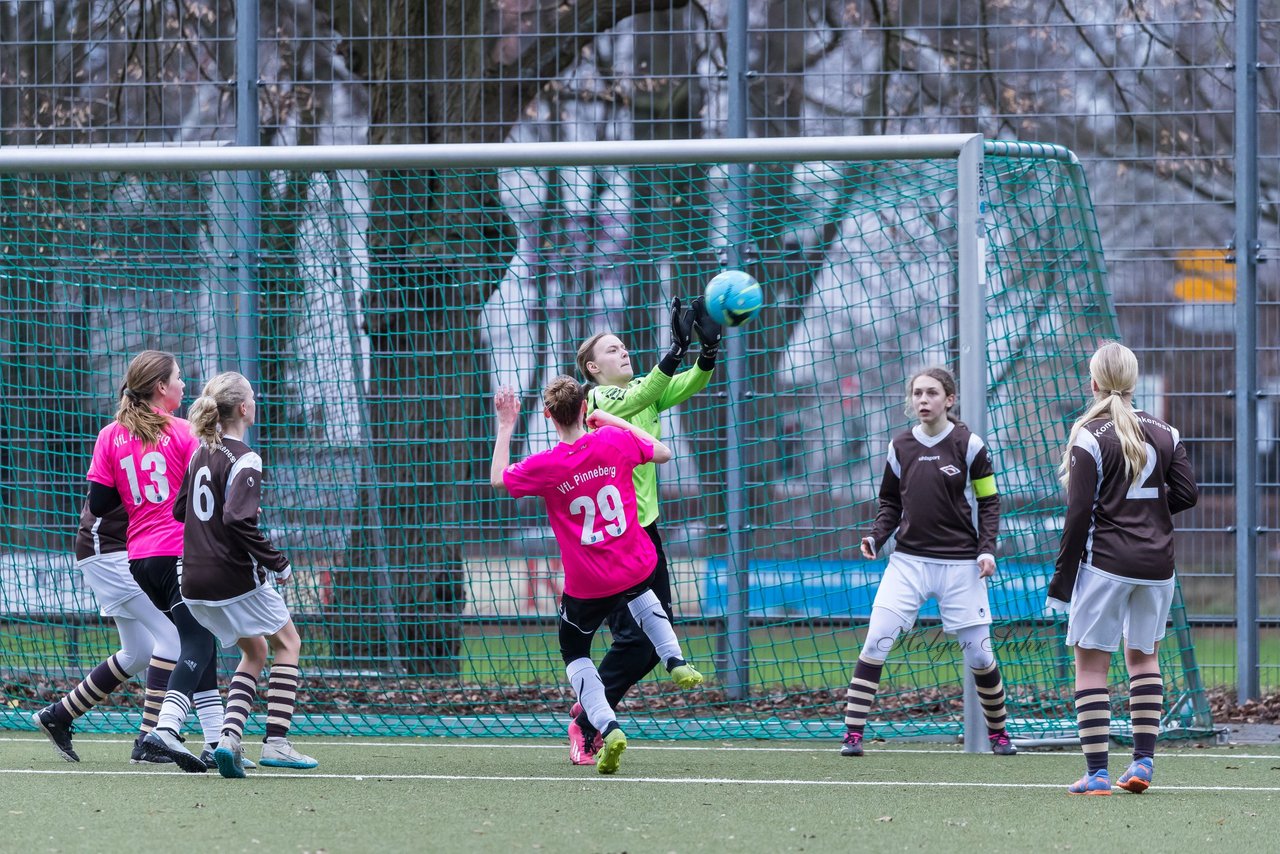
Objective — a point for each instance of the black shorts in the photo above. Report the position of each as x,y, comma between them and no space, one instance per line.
158,578
580,619
624,628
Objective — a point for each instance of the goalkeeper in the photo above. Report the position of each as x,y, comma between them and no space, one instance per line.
605,363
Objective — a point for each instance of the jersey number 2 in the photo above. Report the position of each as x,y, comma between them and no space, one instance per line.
1138,491
608,504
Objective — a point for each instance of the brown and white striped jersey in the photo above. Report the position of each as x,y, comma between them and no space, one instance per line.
101,535
1116,526
224,554
931,488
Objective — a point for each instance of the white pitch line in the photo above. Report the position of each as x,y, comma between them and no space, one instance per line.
715,781
1184,753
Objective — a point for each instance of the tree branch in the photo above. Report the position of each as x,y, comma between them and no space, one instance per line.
559,41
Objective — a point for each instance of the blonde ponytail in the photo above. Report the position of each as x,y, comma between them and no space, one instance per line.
1114,371
216,406
203,415
1132,440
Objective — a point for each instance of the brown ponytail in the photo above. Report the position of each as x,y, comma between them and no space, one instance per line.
135,413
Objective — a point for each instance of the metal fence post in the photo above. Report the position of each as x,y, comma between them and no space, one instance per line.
737,622
247,207
1246,368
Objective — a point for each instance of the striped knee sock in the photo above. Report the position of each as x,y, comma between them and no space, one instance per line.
282,693
1146,703
158,672
240,695
173,711
862,691
991,695
1093,717
92,690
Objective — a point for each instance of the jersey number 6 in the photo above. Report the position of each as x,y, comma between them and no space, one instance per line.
202,495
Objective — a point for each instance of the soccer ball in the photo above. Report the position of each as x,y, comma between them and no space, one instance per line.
733,297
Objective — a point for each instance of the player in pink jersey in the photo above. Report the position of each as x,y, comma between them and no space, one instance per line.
147,638
139,460
587,487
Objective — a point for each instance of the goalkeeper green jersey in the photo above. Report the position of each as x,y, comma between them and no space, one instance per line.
639,404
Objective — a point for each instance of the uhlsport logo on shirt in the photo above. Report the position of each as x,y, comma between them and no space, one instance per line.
952,471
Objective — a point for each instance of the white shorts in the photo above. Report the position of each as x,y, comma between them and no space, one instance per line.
260,612
1106,606
112,584
911,581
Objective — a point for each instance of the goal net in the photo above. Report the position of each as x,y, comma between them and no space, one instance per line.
377,296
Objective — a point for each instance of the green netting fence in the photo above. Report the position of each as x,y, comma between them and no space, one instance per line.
379,305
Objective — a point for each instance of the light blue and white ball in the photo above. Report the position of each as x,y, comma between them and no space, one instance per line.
733,297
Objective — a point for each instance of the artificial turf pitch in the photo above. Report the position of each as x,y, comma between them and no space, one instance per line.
507,795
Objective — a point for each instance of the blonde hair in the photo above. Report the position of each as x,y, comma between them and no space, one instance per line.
944,378
1114,370
216,406
586,353
136,414
563,398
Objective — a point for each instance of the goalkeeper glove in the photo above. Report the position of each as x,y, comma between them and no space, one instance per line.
681,330
709,332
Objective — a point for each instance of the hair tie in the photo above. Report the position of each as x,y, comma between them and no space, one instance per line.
131,394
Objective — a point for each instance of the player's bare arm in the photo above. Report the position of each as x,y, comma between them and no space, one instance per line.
599,418
506,405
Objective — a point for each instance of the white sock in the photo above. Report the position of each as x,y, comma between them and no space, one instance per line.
173,712
656,625
211,714
586,683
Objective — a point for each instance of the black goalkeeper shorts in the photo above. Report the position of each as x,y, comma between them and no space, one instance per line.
158,578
